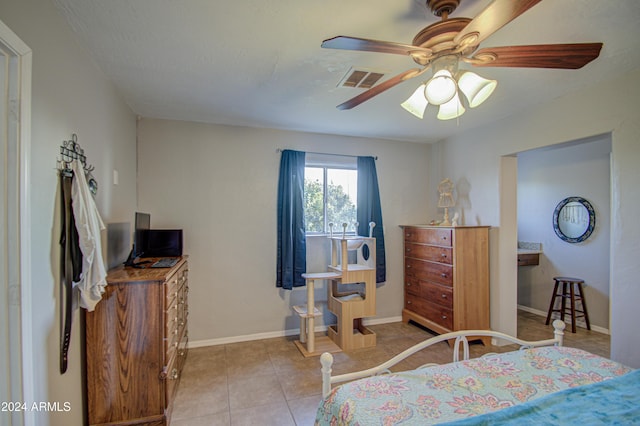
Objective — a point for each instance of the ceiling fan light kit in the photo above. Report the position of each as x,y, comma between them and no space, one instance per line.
440,88
475,88
440,46
417,103
452,109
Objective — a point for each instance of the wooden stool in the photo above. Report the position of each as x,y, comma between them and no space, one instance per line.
308,314
568,292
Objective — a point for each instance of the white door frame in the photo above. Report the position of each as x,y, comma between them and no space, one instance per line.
16,210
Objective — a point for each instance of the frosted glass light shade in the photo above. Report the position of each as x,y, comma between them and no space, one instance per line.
416,103
441,88
475,88
451,109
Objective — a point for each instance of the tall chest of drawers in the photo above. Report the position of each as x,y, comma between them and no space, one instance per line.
136,346
446,277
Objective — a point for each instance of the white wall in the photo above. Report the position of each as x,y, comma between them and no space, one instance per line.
609,107
546,177
70,96
219,183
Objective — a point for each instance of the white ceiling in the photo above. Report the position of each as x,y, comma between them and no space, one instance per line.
259,63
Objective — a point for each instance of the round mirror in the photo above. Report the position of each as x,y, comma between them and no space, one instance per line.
574,219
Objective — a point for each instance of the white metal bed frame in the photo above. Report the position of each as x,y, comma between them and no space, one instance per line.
326,359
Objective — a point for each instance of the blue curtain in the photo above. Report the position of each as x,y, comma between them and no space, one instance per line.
292,248
370,210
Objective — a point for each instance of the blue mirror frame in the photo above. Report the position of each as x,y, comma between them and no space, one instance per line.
590,227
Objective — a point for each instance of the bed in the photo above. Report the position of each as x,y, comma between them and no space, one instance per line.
541,383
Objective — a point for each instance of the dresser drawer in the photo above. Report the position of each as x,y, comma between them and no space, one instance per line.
428,271
171,376
439,294
435,293
172,286
426,252
172,340
431,311
441,237
412,286
177,279
183,351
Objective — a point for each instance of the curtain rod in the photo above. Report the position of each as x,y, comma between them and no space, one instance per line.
279,150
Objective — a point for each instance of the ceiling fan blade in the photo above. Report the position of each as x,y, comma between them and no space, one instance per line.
491,19
363,44
376,90
562,56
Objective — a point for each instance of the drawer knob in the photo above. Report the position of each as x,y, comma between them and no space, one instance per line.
444,296
443,275
408,284
444,317
443,255
408,235
408,302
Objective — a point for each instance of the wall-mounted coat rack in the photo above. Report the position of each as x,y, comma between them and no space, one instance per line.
71,150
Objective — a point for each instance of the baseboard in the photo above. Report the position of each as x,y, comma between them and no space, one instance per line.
323,328
532,311
273,334
544,314
376,321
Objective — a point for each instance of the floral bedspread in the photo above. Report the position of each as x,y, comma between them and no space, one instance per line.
463,389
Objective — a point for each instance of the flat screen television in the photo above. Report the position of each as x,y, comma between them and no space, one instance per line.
163,243
149,242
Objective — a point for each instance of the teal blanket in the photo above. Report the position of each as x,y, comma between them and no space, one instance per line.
492,384
615,401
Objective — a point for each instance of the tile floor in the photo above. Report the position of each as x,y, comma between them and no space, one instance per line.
268,382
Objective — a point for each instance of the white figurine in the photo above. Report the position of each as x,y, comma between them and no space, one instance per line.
454,222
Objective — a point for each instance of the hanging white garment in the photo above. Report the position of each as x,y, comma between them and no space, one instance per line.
89,224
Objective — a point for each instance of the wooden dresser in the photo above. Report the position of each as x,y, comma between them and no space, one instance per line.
446,277
136,345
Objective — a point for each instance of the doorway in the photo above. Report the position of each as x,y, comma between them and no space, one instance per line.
15,284
545,176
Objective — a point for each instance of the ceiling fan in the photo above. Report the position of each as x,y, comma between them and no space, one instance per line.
443,45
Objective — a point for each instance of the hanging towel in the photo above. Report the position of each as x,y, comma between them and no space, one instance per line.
89,224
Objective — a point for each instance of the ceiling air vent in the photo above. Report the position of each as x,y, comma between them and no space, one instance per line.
360,78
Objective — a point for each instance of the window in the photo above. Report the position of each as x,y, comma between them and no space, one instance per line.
330,194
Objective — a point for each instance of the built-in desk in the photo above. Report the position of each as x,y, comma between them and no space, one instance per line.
528,257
